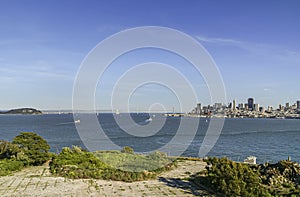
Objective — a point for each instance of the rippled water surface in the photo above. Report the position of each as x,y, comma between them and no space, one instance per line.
267,139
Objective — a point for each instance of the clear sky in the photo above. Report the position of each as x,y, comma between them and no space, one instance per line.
255,44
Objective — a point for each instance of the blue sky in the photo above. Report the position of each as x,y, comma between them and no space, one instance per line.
255,44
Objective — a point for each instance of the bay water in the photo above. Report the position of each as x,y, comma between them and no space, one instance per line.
270,140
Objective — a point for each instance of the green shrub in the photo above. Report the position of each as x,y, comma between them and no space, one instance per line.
110,165
26,149
77,163
234,179
130,167
127,149
34,147
9,150
7,166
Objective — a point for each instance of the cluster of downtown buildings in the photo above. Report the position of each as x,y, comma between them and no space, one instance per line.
247,110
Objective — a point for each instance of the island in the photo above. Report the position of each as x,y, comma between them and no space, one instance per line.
29,111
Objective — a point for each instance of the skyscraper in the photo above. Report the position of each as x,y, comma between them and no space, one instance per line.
250,104
298,104
234,105
256,107
198,108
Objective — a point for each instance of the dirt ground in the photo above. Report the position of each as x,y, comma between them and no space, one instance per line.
37,181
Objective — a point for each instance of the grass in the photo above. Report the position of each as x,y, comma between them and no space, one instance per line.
134,162
109,165
8,166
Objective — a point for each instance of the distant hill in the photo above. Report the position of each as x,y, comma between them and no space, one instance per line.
22,111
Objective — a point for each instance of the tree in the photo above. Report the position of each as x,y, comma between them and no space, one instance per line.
34,147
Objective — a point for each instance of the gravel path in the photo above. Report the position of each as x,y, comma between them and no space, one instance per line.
37,181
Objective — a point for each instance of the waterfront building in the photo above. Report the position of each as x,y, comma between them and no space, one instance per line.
256,107
294,106
230,106
262,109
210,107
241,106
246,106
270,108
218,106
250,104
280,108
205,109
287,105
233,105
298,104
198,108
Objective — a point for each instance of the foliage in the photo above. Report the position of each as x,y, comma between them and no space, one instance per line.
282,178
7,166
34,147
26,149
9,150
127,149
77,163
238,179
130,167
234,179
154,162
112,165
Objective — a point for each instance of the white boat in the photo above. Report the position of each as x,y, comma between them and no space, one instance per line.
77,121
149,120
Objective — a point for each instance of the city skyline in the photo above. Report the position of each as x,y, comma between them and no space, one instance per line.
235,103
42,45
249,109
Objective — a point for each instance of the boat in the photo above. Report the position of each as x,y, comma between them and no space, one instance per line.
77,121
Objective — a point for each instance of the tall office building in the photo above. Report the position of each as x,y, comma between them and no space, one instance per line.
270,108
256,107
198,108
234,105
281,107
298,104
230,106
250,104
287,105
241,106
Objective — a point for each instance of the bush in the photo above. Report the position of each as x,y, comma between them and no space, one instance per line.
26,149
130,167
34,147
77,163
7,166
9,150
127,149
234,179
